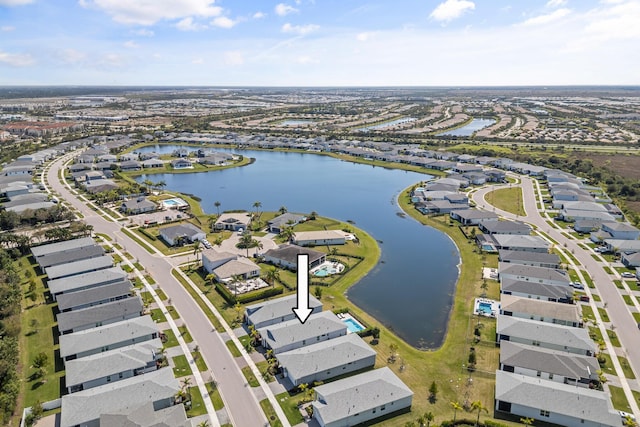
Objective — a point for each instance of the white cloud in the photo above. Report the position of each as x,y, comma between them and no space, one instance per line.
71,56
550,17
233,57
148,12
112,60
187,24
306,59
7,28
365,36
130,44
223,22
619,21
299,29
143,32
552,4
259,15
16,59
284,9
197,61
451,9
15,2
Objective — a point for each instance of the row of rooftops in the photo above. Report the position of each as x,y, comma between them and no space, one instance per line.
103,336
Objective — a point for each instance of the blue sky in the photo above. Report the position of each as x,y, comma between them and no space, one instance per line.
319,42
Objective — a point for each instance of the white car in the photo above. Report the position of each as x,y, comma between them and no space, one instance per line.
628,275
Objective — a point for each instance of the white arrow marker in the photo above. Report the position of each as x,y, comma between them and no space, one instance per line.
302,310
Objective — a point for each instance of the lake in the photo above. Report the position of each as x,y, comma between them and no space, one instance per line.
410,290
468,130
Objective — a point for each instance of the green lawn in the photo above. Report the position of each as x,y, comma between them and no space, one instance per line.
618,399
214,395
171,341
184,332
161,295
627,299
172,311
587,312
613,337
233,349
36,336
197,403
603,314
158,316
607,367
626,368
596,297
200,363
270,413
289,405
206,310
181,366
251,379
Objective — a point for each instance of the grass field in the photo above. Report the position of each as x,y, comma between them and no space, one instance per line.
181,366
507,199
272,417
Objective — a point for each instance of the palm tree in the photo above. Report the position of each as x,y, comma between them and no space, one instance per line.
428,417
217,205
526,421
287,233
197,249
478,406
257,206
282,210
313,215
302,387
456,407
148,183
235,279
204,423
218,241
272,275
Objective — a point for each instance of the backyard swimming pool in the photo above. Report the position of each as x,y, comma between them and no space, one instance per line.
327,269
352,325
486,307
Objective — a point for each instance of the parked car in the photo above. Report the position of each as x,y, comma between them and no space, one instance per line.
576,285
628,275
584,298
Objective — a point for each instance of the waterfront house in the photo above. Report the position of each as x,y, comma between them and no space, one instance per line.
287,219
320,237
286,256
178,234
473,216
235,221
526,273
533,259
275,311
542,311
505,227
181,164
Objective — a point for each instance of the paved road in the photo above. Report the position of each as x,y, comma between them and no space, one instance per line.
240,402
617,309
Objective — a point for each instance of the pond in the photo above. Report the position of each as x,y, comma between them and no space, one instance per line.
468,130
410,290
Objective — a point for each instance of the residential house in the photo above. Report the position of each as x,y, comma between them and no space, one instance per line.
571,215
551,402
553,365
631,260
79,267
320,237
181,164
152,163
176,235
39,252
542,311
108,337
539,291
326,360
99,315
212,259
111,366
621,230
361,398
137,206
534,259
516,242
473,216
505,227
292,334
276,311
543,334
147,416
100,185
240,267
94,296
526,273
85,281
286,255
70,256
85,408
130,165
287,219
129,156
233,221
587,226
618,246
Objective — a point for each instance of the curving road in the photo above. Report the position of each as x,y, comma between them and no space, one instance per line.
240,402
617,309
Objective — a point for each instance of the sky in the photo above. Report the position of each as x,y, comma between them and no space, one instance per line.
320,42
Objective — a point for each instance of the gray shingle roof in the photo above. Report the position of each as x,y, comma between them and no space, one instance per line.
38,251
277,308
325,355
79,267
79,342
106,276
185,229
93,295
545,332
577,402
111,362
289,253
359,393
546,309
236,267
506,227
533,288
99,313
120,397
147,416
65,257
520,241
293,331
537,257
533,272
545,360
